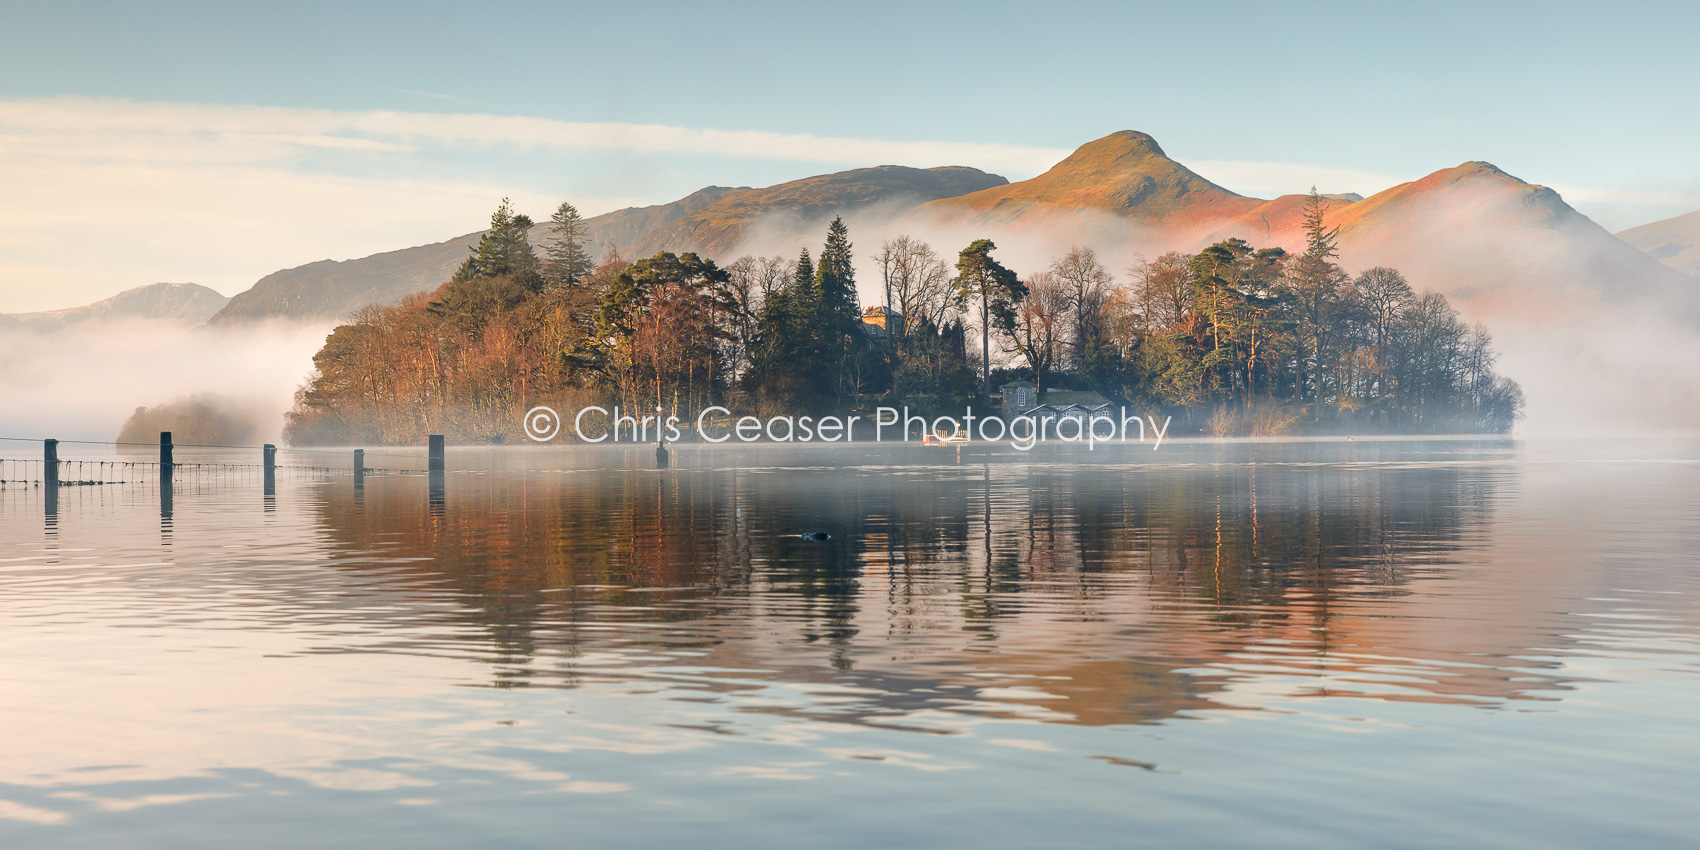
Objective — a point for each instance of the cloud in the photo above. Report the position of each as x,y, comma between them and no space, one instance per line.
104,195
1271,179
1642,197
104,117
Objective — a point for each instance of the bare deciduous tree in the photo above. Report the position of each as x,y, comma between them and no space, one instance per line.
1041,324
916,281
1085,285
1162,289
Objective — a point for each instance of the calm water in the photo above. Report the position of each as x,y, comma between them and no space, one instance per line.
1337,644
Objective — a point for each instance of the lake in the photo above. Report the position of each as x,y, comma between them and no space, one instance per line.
1399,643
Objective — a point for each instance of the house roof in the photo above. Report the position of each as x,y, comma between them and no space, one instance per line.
1063,398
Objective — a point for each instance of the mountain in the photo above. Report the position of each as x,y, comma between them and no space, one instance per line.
1125,174
174,303
329,289
805,206
1482,235
1674,241
629,228
1474,232
711,221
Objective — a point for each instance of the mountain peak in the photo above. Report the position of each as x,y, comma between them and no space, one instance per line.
1125,173
1478,170
179,303
1122,143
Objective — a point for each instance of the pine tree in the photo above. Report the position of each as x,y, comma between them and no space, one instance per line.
837,316
566,262
835,278
1319,237
998,290
803,276
505,249
1313,285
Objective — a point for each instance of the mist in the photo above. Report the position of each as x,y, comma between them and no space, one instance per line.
83,382
1601,342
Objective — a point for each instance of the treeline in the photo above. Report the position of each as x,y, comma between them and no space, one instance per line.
1233,339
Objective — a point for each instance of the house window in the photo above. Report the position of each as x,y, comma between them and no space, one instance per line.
1021,398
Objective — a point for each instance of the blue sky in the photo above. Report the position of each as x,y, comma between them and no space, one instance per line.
216,144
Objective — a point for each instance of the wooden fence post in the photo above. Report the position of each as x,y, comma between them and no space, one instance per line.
436,453
165,470
435,466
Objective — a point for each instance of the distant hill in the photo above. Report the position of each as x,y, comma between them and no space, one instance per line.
1478,233
1473,232
329,289
175,303
1124,174
1674,241
630,228
711,221
807,204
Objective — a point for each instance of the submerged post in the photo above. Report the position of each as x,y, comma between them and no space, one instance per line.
268,461
435,466
50,484
165,463
359,468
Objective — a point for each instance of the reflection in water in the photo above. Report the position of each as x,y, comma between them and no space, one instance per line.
980,651
1113,582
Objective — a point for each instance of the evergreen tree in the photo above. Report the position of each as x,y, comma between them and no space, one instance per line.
566,262
837,318
782,334
803,276
835,278
1313,285
978,276
1320,239
505,249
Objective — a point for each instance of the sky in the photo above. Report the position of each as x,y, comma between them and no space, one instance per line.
217,143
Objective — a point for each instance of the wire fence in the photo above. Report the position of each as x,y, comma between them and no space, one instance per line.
109,467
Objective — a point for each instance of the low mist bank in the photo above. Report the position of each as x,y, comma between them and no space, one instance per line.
1598,346
84,382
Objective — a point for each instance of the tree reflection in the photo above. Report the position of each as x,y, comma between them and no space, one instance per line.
1122,592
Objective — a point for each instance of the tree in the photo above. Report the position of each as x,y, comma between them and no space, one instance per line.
1383,294
835,278
1162,290
504,249
1085,284
1313,283
998,290
747,290
565,261
657,330
916,282
1320,239
837,320
1041,324
784,365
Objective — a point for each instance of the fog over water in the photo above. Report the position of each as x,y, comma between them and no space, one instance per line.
82,382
